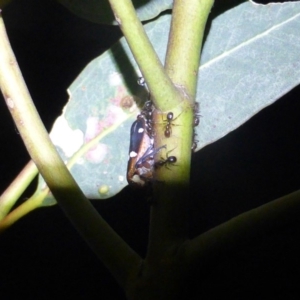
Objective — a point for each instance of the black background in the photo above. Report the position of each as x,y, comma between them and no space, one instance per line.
42,256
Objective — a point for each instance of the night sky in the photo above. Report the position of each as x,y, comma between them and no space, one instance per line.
42,256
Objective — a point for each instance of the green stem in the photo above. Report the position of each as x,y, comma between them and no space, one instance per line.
119,258
168,222
256,223
16,188
13,192
162,90
185,42
29,205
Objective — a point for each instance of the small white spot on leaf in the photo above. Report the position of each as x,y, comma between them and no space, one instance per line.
115,79
97,154
63,136
92,128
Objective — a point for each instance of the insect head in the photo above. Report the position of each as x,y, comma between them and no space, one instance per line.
141,81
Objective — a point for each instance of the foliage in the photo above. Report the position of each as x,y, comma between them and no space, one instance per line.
244,48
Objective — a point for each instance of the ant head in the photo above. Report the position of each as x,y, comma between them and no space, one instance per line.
170,116
141,81
148,105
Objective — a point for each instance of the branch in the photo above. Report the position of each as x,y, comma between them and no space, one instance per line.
118,257
250,225
185,42
34,202
168,223
16,188
163,92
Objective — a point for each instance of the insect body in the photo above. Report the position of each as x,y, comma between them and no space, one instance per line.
141,154
170,160
138,138
146,113
140,143
196,114
169,120
168,129
196,123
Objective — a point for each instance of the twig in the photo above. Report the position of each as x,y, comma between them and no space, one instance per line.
119,258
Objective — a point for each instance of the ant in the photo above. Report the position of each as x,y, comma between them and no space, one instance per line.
148,110
196,122
141,81
194,144
146,114
168,129
170,160
196,114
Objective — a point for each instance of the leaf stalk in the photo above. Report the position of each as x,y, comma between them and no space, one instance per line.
163,92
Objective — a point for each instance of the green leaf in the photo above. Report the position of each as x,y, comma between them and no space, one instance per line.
99,11
250,59
246,65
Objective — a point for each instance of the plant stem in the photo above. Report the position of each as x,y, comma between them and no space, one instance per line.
163,93
253,224
185,43
16,188
169,211
118,257
13,192
29,205
168,223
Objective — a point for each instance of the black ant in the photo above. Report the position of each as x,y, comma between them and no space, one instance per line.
141,81
146,114
195,141
168,129
148,106
194,145
170,160
196,122
196,114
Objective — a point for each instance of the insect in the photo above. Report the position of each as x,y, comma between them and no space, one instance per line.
141,154
141,81
140,143
196,123
196,114
195,144
169,120
146,113
170,160
196,108
148,106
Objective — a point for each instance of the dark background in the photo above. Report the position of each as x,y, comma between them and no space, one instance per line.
42,256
